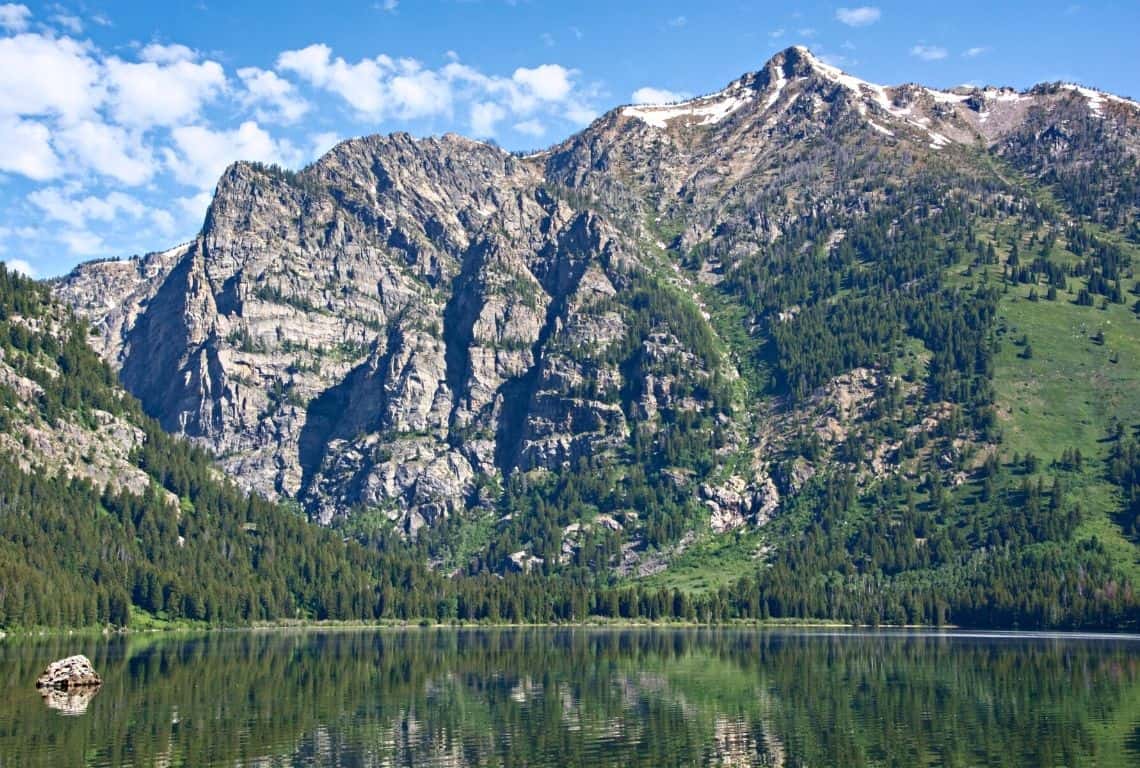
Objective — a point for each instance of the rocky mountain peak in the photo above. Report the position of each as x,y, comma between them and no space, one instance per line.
407,324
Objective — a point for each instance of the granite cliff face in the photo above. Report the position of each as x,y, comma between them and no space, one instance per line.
406,324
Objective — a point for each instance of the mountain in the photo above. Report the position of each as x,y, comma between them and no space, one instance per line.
107,520
804,324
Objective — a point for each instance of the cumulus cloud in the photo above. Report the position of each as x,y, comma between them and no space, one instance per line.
970,53
82,243
27,149
107,149
322,142
121,149
199,154
42,75
193,207
484,116
548,82
273,98
360,84
380,88
58,204
579,113
530,128
72,24
862,16
160,93
167,54
375,88
648,95
417,92
163,221
928,52
21,266
14,17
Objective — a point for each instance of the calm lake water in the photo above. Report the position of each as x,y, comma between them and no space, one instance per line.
579,698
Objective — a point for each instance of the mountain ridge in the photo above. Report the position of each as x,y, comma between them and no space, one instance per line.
436,335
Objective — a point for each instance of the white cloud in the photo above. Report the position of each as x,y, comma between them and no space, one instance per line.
382,88
776,34
72,24
163,221
193,208
27,149
82,243
530,128
360,84
107,149
579,113
58,205
42,75
484,116
649,95
387,5
321,143
419,93
970,53
21,266
167,54
858,17
14,17
547,82
150,93
104,136
200,154
677,22
273,98
928,52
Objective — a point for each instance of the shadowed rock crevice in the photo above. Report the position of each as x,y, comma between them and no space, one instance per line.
353,407
459,316
575,248
160,341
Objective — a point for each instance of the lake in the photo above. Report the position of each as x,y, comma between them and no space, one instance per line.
578,697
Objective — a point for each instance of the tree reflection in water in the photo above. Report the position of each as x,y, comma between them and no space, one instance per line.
578,698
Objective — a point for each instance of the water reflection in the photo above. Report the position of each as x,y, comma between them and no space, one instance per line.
73,701
579,698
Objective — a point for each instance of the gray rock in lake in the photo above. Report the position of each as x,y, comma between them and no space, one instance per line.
69,673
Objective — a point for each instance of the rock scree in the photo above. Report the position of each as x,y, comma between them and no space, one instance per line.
69,673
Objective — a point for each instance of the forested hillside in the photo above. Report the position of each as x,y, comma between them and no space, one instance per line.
185,544
807,347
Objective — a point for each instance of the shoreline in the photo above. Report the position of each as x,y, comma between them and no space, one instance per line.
822,626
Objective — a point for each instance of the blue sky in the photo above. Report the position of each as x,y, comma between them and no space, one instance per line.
116,118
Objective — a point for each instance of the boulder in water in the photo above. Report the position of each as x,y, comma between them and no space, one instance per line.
72,672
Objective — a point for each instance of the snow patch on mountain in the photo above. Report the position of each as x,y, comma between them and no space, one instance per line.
706,110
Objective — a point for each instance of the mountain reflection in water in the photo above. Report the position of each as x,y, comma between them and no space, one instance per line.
545,697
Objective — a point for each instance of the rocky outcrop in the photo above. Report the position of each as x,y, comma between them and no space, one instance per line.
70,673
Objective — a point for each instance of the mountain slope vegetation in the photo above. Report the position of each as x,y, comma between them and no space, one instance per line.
805,347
